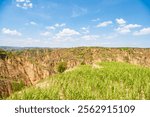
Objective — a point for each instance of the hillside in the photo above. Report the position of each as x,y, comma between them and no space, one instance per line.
24,68
106,80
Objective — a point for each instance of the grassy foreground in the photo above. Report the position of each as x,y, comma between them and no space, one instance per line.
107,80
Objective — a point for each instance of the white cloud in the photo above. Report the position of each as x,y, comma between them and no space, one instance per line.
20,0
33,23
27,5
27,1
121,21
144,31
24,4
50,28
130,26
60,25
104,24
11,32
85,30
55,26
46,33
127,28
65,35
90,37
123,30
18,5
67,32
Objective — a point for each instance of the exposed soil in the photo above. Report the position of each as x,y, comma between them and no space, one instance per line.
27,67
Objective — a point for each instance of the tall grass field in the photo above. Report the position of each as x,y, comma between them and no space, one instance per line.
104,81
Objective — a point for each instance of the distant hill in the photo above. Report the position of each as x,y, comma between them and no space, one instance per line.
10,48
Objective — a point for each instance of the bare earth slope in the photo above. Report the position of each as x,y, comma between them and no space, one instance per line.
27,67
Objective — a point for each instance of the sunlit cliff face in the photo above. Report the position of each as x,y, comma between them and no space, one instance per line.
25,68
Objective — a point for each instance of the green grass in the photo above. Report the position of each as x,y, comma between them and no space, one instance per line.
111,80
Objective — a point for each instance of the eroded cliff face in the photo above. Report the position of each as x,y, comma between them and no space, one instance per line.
27,67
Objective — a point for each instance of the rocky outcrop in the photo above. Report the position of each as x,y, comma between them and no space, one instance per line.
27,67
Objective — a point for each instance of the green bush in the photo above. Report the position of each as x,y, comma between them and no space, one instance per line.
16,86
62,66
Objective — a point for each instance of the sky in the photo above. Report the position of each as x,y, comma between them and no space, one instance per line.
74,23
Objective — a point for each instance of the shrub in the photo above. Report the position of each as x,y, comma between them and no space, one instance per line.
3,54
62,66
82,63
17,86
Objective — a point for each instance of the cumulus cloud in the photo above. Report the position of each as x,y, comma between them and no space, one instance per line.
127,28
55,26
60,25
144,31
124,28
63,35
104,24
130,26
67,32
11,32
121,21
66,35
25,4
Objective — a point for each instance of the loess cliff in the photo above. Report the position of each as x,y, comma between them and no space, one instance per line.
26,67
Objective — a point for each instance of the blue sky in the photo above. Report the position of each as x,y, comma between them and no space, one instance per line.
73,23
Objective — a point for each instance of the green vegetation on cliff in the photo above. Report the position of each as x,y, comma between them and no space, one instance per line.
106,80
